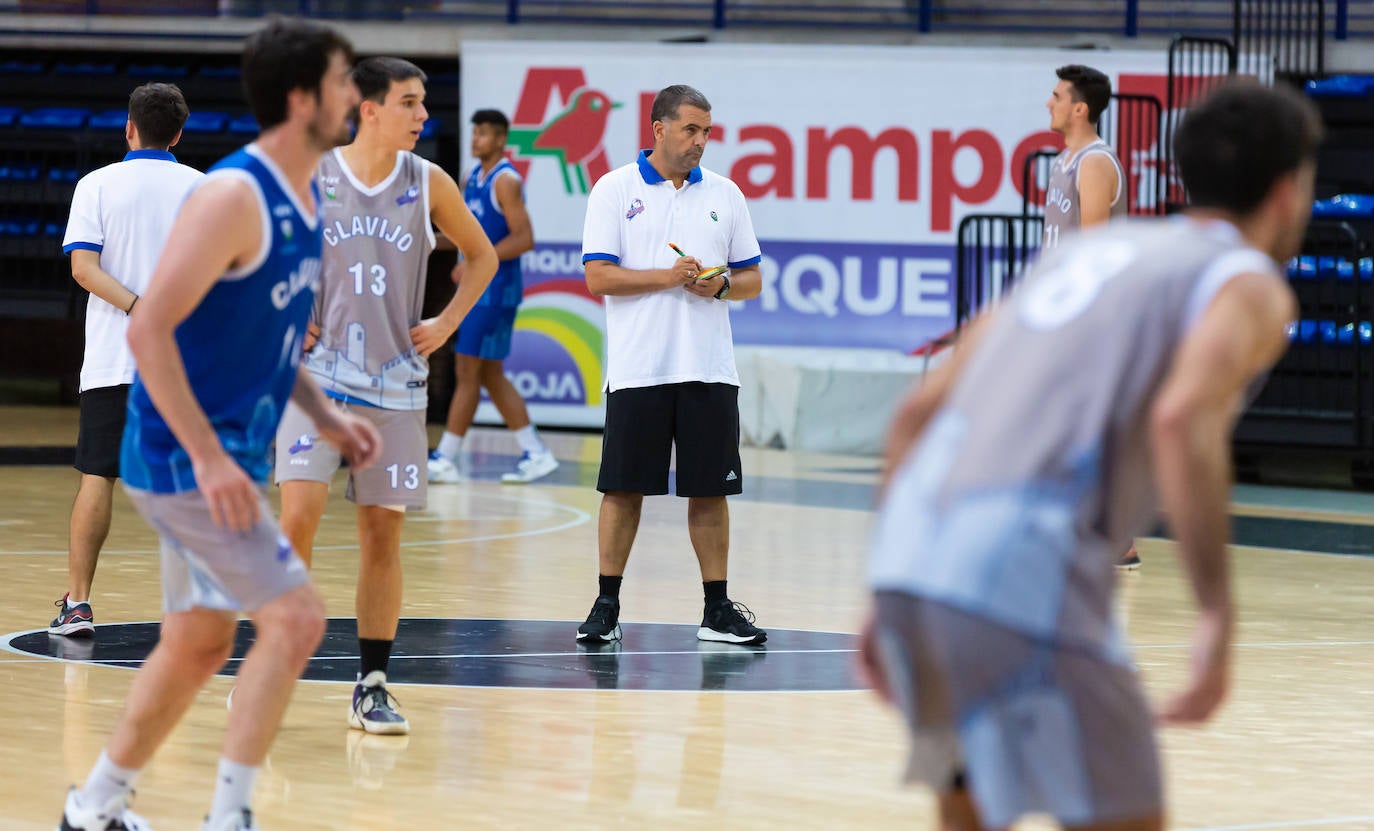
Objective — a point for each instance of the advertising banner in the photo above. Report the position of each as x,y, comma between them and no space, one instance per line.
857,163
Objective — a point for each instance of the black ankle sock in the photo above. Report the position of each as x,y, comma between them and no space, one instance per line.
610,586
374,654
715,591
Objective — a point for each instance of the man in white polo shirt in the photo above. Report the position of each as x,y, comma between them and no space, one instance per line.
655,231
120,218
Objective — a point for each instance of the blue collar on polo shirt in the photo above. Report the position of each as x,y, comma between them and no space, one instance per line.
163,155
651,177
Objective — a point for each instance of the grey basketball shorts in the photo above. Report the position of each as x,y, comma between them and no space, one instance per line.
205,566
397,479
1029,726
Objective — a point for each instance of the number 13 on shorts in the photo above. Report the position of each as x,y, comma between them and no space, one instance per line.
404,476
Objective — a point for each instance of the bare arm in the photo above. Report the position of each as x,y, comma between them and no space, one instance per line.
453,218
607,278
90,276
1097,189
1239,335
521,236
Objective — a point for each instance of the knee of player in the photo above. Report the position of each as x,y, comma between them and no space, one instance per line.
296,620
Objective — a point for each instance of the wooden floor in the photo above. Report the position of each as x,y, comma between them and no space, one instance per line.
1293,749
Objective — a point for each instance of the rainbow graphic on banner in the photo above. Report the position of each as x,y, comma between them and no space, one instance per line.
564,312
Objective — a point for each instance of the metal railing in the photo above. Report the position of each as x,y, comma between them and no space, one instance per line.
1340,19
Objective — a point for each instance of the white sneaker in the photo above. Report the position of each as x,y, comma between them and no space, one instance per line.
242,821
531,466
113,816
374,707
442,470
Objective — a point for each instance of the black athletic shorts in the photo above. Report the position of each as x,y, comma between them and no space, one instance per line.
642,425
102,430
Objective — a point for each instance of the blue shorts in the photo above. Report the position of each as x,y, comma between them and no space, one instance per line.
485,332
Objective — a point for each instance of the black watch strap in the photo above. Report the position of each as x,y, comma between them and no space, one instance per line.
724,289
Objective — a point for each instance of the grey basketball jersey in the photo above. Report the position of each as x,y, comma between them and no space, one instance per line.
1063,211
377,243
1035,474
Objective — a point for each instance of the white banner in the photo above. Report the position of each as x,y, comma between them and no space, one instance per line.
858,163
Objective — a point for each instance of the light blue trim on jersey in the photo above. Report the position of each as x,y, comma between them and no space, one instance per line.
82,246
651,176
160,155
610,258
348,399
754,260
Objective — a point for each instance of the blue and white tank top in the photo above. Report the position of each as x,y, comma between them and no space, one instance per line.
507,287
242,345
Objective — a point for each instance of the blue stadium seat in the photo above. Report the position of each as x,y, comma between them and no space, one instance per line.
9,115
64,174
19,227
1341,86
56,118
21,68
244,124
54,229
431,127
206,122
20,172
109,120
221,72
84,69
1306,268
158,71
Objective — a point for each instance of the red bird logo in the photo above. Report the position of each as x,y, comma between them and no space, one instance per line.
573,136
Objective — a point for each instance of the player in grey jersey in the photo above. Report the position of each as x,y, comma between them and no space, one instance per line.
1105,387
379,200
1087,183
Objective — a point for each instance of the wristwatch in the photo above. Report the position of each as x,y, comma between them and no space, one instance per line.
725,289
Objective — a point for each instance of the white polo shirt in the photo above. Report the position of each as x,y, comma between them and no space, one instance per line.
669,336
125,212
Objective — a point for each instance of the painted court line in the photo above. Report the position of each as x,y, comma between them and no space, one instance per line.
1307,823
579,517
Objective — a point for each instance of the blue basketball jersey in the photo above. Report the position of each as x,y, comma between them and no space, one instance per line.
241,346
507,287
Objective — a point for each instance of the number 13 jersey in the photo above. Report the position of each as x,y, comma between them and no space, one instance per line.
377,243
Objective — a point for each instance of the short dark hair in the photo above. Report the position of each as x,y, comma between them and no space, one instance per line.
1089,86
1240,139
493,117
670,98
158,111
374,76
287,54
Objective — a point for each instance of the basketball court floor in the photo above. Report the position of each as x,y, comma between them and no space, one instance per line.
516,727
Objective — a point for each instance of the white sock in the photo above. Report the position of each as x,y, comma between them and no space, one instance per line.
233,790
528,437
450,445
106,781
71,603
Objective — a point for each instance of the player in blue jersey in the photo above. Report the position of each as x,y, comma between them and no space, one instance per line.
495,195
217,341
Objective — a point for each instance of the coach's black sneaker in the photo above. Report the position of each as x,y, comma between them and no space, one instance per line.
603,622
726,621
